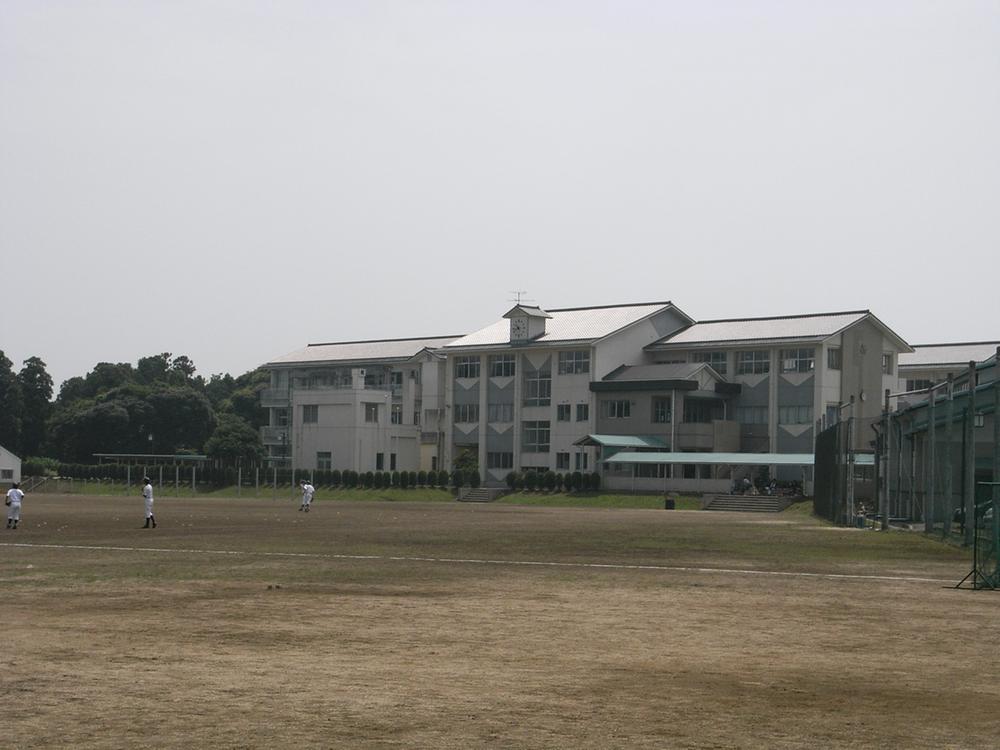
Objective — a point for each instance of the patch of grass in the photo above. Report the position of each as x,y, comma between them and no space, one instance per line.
596,500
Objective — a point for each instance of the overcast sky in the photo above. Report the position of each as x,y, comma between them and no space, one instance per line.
234,180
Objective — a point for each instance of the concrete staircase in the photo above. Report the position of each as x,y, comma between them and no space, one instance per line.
747,503
479,494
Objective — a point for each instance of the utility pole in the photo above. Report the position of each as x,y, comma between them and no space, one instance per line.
887,449
970,459
949,498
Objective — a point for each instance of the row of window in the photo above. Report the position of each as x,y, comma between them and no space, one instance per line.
505,460
696,411
504,413
503,365
310,413
758,362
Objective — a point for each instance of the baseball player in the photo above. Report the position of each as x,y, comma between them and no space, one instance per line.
147,494
13,503
307,495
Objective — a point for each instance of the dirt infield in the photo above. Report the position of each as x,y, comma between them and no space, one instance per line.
247,624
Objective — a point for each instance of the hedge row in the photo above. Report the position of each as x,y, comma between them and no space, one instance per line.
552,482
223,477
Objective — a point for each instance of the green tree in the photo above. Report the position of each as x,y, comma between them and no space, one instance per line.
153,369
11,406
36,394
234,440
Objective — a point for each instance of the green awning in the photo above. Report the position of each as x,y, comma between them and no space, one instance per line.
741,459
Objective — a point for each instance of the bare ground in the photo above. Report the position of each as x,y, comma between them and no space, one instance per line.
244,624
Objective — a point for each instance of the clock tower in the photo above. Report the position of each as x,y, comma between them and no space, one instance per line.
526,323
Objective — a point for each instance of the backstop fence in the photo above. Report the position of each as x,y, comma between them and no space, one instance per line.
933,460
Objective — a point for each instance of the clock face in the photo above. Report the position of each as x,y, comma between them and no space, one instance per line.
518,328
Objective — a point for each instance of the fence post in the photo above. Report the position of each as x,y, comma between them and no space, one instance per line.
887,450
194,471
949,482
239,482
970,459
929,499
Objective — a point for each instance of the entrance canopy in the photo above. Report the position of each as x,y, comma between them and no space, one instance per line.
732,459
622,441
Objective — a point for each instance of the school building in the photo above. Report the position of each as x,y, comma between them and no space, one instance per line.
568,389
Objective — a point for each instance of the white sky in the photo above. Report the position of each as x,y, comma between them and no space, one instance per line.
233,180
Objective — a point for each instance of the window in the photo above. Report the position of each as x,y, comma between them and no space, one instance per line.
396,378
466,367
581,461
501,365
563,412
756,362
324,460
310,413
466,413
416,411
562,461
396,415
661,409
500,460
832,414
415,376
658,471
918,385
582,412
716,359
536,437
371,412
538,388
502,413
751,414
573,363
701,410
834,359
392,462
281,417
379,461
798,360
616,409
887,363
795,415
6,473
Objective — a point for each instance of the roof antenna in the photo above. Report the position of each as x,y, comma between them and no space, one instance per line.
518,299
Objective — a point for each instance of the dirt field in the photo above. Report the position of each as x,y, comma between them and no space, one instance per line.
246,624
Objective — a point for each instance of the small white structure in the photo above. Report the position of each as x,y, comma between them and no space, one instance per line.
10,466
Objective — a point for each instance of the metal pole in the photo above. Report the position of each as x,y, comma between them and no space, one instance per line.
177,479
949,483
913,472
239,482
274,486
850,466
930,505
194,471
970,459
256,481
887,450
161,476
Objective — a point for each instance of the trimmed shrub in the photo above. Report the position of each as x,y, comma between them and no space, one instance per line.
576,481
530,480
412,478
422,478
457,479
404,479
549,481
595,481
511,479
335,477
473,479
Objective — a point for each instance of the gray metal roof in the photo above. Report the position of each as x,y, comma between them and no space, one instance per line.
362,351
740,459
933,355
761,330
577,324
622,441
660,372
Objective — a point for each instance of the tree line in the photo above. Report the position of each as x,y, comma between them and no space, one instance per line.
159,405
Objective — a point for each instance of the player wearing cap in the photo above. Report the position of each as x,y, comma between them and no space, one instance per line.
307,495
13,503
147,494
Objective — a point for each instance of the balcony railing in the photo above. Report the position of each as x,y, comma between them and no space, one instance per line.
274,397
275,435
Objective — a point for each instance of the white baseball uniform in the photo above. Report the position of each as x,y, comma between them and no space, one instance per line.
307,495
147,494
14,495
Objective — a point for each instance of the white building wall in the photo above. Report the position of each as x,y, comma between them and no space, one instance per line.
10,468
